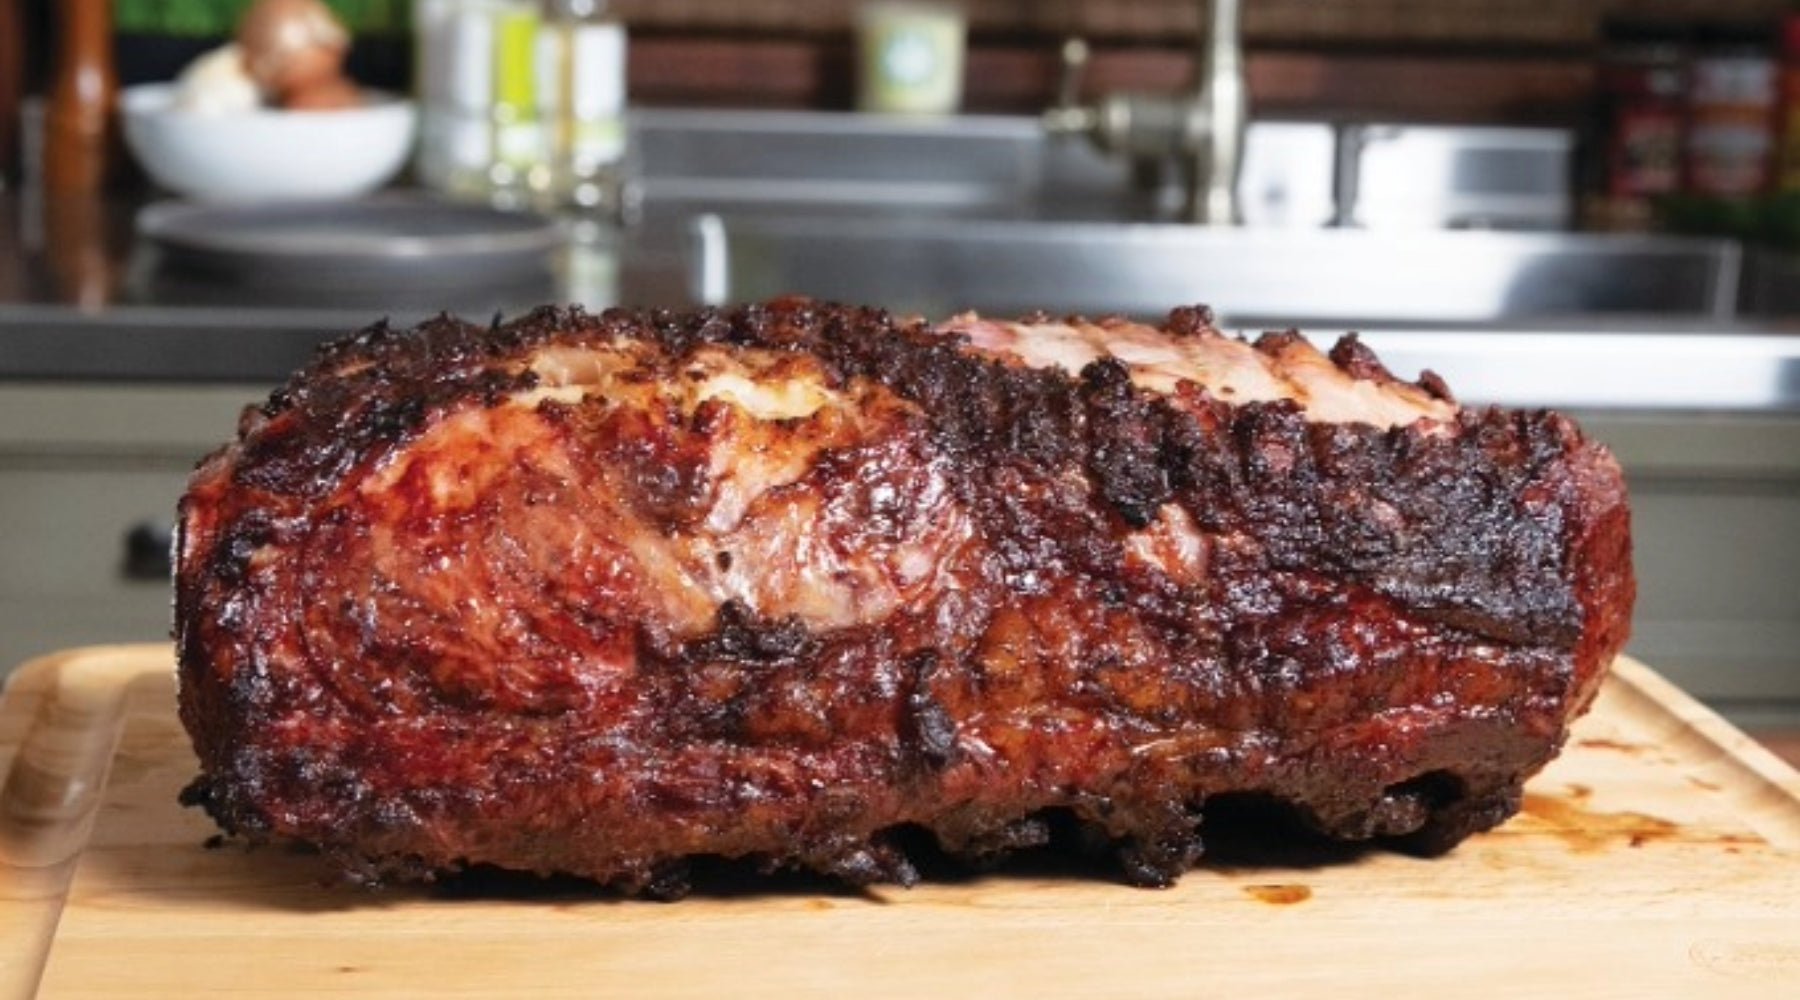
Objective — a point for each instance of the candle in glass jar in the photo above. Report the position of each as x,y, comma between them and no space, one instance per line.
911,57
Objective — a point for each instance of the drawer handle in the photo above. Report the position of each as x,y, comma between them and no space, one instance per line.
147,547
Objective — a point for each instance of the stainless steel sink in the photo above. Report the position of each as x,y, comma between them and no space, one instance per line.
1294,173
966,166
937,215
1251,277
809,160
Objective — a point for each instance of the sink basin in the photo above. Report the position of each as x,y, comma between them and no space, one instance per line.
1586,322
937,215
962,167
1252,277
805,161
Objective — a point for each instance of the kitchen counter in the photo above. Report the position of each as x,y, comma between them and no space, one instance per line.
82,297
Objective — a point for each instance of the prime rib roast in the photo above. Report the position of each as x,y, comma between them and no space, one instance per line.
794,582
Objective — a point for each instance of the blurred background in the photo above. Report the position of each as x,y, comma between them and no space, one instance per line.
1592,205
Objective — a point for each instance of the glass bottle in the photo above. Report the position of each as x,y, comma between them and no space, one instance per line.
517,169
454,71
582,88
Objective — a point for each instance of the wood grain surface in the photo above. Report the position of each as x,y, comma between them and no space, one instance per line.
1659,856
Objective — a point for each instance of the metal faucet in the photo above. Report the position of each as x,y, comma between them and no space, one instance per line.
1203,129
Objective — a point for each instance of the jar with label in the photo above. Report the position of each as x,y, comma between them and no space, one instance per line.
911,56
1642,79
1787,179
1731,115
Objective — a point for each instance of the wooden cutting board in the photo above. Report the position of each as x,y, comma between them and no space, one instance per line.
1659,856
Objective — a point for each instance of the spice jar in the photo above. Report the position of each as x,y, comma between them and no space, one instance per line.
1642,80
1730,115
1787,179
1634,148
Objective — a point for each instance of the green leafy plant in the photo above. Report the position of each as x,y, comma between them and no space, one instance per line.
203,18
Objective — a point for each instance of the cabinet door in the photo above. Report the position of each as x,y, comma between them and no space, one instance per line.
81,469
64,573
1715,505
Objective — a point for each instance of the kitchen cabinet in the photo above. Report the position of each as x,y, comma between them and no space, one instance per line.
81,467
1716,528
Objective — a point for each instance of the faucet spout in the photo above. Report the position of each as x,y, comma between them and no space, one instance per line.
1223,107
1199,131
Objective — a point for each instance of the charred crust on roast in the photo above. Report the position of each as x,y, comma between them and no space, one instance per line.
1435,386
743,636
1349,574
1189,321
927,725
1125,456
1356,360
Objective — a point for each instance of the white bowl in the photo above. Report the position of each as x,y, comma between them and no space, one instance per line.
267,154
